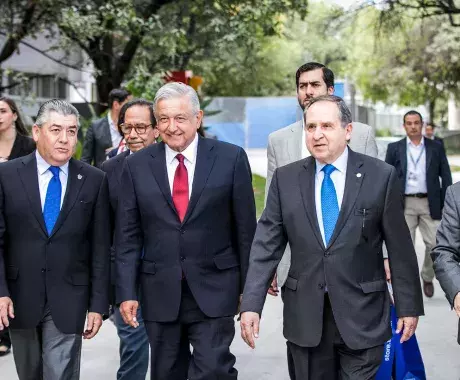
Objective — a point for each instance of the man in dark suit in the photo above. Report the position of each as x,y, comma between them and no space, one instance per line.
334,209
54,256
138,126
429,133
446,253
424,175
188,207
102,135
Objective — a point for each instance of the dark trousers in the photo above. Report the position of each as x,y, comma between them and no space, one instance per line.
134,348
45,353
209,337
332,359
5,337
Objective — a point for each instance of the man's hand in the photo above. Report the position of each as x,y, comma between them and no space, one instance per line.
128,311
250,327
273,290
93,325
6,310
457,304
409,324
386,264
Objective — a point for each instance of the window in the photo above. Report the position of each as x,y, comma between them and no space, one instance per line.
42,86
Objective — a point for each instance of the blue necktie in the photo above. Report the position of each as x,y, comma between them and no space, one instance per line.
329,203
52,200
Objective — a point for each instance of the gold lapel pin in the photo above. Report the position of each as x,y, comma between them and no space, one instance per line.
358,175
79,176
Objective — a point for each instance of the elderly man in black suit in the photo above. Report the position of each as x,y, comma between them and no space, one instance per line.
102,135
54,249
424,175
335,209
185,222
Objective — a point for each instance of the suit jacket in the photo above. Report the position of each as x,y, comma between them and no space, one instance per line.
22,146
439,140
97,140
437,167
446,253
350,266
113,169
284,147
210,246
68,270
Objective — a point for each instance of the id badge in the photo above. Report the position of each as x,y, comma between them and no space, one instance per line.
412,179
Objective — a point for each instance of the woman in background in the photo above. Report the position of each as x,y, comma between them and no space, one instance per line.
14,143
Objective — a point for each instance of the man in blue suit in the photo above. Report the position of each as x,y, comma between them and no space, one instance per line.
188,204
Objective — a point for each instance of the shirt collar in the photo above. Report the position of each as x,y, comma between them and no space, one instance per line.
340,164
189,153
422,142
111,124
43,166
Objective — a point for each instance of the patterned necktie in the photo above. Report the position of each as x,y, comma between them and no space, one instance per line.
53,200
180,188
329,203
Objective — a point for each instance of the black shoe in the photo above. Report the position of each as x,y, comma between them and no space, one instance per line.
428,288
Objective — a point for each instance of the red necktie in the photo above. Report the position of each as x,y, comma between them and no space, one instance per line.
180,188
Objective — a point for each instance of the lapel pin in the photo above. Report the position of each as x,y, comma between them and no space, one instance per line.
79,176
358,175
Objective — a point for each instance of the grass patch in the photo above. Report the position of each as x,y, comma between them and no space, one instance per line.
258,184
454,168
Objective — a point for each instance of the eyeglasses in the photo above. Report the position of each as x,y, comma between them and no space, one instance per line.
139,128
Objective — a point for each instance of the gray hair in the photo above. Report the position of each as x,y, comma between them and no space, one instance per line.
344,111
55,105
177,90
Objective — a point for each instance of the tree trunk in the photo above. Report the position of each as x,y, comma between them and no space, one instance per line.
431,109
103,85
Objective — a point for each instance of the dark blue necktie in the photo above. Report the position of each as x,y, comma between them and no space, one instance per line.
329,203
53,200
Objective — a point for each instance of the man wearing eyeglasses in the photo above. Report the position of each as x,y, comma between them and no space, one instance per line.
137,126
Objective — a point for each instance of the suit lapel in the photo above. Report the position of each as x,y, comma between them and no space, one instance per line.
106,135
29,178
75,181
294,142
158,167
403,156
429,153
353,181
307,189
204,162
119,168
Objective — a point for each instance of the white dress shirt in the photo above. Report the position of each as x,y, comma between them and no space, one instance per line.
416,168
190,162
45,175
114,133
338,177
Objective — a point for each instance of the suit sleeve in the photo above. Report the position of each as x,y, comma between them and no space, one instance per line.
401,253
4,292
244,211
446,253
267,249
389,157
371,145
100,263
445,174
271,166
128,239
87,154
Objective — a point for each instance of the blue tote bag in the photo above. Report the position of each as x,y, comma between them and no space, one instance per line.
403,360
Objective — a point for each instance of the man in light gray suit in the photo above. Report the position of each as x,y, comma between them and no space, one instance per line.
446,253
288,144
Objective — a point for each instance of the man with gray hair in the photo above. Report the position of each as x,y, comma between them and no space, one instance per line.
54,249
335,209
185,223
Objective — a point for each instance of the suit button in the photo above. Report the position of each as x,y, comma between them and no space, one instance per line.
327,254
182,258
43,270
321,286
49,242
182,232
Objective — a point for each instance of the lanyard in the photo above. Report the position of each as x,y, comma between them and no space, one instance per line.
418,158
